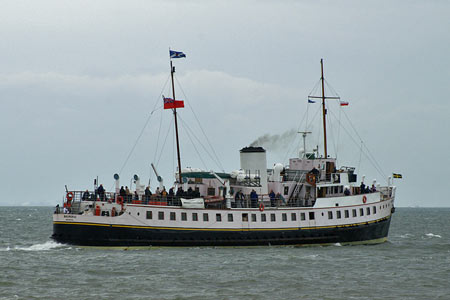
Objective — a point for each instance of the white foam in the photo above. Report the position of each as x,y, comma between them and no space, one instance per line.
338,245
40,247
433,235
18,219
406,235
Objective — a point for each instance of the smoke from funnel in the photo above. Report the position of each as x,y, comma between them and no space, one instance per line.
276,141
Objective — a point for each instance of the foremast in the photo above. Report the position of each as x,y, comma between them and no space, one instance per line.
172,71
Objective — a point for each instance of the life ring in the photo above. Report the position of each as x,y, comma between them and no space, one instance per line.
69,196
364,199
120,200
261,206
311,179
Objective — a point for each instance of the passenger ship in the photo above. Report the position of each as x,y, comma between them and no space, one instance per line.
308,201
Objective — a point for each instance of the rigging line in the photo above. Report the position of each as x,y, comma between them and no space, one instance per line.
339,130
136,142
195,148
332,132
164,144
193,134
371,160
201,128
315,87
360,154
160,122
368,151
331,89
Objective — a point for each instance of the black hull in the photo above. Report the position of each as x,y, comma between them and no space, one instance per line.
94,235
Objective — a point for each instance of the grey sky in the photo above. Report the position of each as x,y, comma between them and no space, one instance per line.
78,80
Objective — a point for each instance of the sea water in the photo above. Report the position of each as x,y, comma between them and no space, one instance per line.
413,264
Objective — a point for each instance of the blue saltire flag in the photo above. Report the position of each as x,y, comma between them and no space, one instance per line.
311,101
176,54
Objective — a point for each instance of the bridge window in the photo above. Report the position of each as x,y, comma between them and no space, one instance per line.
172,216
149,214
302,216
194,217
293,217
183,216
354,213
347,215
284,217
211,191
330,215
205,218
311,215
218,217
368,211
253,217
338,214
374,209
361,212
160,215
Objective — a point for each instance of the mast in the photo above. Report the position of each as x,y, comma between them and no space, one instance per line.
324,111
172,70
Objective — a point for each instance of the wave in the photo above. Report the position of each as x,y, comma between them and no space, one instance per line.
49,245
431,235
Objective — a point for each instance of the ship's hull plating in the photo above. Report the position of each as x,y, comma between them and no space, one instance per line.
105,235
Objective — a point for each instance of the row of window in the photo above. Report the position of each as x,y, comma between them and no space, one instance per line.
354,213
263,216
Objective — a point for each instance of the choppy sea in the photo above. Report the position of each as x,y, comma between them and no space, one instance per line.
413,264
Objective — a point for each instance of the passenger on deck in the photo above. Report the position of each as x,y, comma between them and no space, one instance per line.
190,193
158,192
101,192
136,196
373,189
147,195
85,196
254,199
170,196
238,198
273,202
122,192
128,194
66,210
347,192
362,188
164,194
367,191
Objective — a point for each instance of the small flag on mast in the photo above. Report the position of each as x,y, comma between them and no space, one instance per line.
311,101
176,54
343,103
395,175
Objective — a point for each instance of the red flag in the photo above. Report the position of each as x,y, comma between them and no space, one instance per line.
169,103
344,103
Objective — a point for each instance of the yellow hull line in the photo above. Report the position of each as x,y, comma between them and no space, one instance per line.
218,229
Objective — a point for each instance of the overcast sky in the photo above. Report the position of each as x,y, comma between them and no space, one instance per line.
80,79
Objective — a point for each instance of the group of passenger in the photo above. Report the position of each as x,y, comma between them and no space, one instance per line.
239,198
365,189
